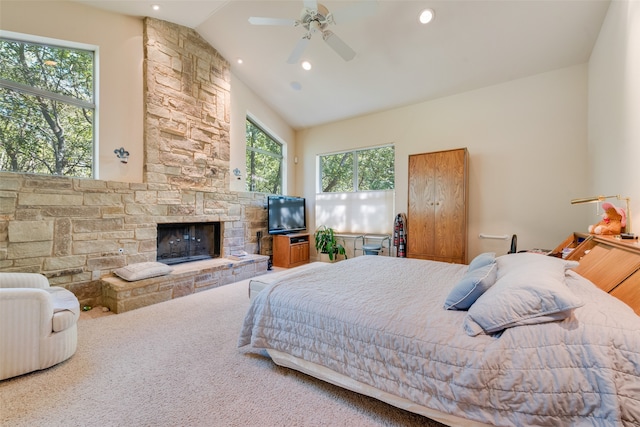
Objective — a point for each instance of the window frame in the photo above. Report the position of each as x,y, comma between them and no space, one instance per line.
354,183
29,90
280,157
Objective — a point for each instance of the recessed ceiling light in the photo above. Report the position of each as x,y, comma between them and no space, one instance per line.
155,7
239,61
306,65
427,16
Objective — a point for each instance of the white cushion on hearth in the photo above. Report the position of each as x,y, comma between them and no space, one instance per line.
143,270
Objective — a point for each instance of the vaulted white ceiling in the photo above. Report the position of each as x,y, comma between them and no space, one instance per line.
470,44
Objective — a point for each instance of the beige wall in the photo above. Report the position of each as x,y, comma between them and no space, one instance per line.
614,109
527,145
119,40
245,102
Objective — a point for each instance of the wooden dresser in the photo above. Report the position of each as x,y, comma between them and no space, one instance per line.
611,263
437,208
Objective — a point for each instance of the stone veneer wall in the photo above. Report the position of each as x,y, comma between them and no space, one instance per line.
72,230
187,101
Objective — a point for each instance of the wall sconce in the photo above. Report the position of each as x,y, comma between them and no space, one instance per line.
122,154
598,199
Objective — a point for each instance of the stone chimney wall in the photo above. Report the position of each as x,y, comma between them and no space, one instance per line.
187,118
76,230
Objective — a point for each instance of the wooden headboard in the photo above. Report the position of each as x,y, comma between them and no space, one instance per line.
611,263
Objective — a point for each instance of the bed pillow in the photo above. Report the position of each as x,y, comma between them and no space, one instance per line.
473,284
507,263
143,270
526,293
483,259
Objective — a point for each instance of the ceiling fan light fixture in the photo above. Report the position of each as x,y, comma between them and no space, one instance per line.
426,16
315,18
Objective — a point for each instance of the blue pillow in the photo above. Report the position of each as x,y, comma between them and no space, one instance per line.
482,260
473,284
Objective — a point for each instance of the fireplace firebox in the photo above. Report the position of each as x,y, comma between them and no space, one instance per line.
185,242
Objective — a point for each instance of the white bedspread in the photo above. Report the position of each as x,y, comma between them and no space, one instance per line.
380,321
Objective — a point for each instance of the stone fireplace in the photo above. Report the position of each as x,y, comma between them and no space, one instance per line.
78,231
185,242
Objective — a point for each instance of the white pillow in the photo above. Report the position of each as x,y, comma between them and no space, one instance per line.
473,284
508,262
529,290
143,270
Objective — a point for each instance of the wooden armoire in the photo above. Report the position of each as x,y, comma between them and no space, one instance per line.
438,204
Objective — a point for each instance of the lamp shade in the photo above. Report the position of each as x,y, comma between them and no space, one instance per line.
590,199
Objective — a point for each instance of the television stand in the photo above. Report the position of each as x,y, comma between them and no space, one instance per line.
290,250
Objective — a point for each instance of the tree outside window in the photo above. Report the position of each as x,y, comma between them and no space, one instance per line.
264,161
46,109
358,170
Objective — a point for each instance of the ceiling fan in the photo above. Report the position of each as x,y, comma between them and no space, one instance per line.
315,18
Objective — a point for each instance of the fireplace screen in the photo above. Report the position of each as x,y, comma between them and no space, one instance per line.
178,243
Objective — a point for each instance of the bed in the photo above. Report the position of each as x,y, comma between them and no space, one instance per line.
520,339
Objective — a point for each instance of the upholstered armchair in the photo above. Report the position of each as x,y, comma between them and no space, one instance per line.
38,324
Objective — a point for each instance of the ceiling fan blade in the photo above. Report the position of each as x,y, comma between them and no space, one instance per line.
357,11
311,4
340,47
255,20
298,50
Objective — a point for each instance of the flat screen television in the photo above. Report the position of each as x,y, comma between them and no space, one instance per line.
286,214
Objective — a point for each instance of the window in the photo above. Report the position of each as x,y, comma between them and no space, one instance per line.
358,170
46,109
264,161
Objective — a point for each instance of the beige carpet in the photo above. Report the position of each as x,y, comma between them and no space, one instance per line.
177,364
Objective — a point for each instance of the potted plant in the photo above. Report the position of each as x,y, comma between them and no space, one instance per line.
326,243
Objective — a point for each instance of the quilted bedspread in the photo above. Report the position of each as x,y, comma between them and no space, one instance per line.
380,321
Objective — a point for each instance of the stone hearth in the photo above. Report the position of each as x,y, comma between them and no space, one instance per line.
120,296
